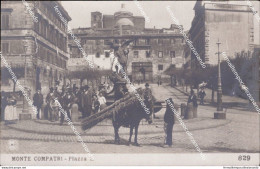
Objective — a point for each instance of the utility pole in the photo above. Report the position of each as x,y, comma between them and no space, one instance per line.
219,114
219,91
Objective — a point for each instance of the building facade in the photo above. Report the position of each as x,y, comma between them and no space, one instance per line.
37,47
229,22
151,52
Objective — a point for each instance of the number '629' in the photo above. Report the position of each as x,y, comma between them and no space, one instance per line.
244,157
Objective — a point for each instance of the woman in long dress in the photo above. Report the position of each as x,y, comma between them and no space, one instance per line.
11,114
3,104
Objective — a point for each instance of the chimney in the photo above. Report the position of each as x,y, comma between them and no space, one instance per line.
123,6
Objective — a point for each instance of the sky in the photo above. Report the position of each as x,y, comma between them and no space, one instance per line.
159,17
80,11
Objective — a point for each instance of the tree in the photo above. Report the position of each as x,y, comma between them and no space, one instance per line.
18,73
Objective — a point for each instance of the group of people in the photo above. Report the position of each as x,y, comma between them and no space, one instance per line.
75,102
8,108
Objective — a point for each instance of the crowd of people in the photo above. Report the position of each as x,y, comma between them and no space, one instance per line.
8,104
84,101
76,102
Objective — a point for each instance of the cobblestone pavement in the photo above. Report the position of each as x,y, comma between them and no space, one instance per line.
238,133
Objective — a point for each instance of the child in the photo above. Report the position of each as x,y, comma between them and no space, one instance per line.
102,101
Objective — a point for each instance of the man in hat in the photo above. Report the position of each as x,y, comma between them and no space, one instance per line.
119,90
87,101
38,101
79,96
148,98
168,121
67,101
50,99
202,94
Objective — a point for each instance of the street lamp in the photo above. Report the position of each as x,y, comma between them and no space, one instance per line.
219,114
25,115
25,106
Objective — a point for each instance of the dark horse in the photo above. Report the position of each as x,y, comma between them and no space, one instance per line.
131,117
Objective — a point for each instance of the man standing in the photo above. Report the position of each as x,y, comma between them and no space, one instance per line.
202,94
87,102
38,101
50,100
192,103
67,101
148,98
119,91
79,95
169,122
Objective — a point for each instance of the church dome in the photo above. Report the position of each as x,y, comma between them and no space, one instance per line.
124,22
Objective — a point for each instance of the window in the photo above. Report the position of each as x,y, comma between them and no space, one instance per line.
172,41
148,53
84,41
136,42
107,54
44,54
48,58
4,21
106,42
160,41
37,24
160,54
147,41
160,67
98,42
64,64
172,53
136,53
97,55
5,48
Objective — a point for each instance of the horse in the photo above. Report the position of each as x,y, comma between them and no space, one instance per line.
131,117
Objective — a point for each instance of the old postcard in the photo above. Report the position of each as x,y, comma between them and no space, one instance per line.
130,83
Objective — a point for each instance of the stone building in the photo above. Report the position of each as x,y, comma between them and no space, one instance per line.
152,50
37,47
231,22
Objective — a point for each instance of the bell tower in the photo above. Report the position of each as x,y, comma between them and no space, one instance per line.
96,20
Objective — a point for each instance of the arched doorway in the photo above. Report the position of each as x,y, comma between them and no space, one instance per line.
142,71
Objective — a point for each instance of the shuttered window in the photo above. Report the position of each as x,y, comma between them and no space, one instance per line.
5,48
4,21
